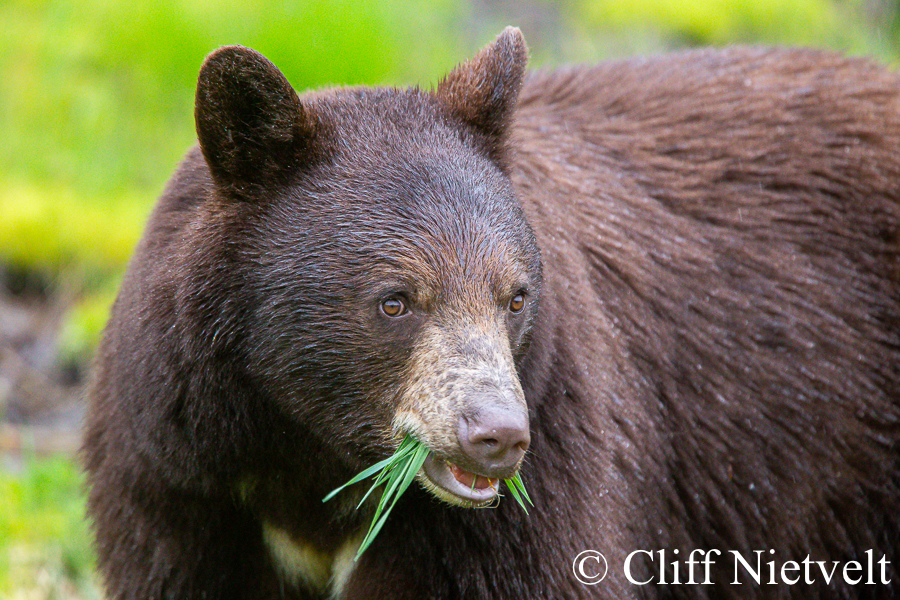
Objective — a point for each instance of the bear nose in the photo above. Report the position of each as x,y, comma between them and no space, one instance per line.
495,440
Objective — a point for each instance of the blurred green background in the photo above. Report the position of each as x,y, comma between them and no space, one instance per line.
96,110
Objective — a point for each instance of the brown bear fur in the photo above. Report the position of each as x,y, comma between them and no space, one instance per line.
709,354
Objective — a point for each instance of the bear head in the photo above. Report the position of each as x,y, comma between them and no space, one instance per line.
373,260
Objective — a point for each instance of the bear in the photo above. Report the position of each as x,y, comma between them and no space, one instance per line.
663,290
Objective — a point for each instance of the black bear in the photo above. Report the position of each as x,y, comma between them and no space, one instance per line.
663,290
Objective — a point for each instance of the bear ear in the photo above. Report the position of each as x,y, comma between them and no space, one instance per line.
251,125
483,91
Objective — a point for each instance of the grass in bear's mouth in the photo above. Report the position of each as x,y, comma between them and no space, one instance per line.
396,473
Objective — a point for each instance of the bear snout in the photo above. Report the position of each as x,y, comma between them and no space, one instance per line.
495,440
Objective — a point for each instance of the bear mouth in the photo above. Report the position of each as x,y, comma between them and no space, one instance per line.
455,485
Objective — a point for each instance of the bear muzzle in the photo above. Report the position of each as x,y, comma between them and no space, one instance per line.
465,403
492,444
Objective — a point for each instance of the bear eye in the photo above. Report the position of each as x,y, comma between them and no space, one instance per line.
517,304
393,307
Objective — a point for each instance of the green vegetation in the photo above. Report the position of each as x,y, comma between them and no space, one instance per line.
396,473
97,102
44,544
717,22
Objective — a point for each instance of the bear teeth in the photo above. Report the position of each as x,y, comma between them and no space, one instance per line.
471,480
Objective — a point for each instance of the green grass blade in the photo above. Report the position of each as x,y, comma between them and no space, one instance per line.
396,474
405,448
517,481
385,505
394,479
402,480
399,462
382,477
359,477
515,494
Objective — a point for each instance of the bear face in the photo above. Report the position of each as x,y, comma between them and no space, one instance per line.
393,227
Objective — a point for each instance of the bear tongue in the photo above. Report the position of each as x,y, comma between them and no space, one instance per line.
466,478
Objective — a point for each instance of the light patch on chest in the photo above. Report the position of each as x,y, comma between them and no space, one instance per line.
302,564
342,566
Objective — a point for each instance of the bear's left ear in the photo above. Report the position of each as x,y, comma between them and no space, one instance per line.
483,91
252,127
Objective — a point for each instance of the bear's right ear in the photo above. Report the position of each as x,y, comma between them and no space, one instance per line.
252,127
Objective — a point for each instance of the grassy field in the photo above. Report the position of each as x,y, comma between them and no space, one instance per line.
44,543
96,111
